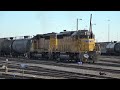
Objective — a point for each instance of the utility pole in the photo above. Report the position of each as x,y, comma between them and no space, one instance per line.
117,36
108,31
77,23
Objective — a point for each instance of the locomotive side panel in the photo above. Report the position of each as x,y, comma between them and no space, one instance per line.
53,43
38,44
67,43
41,44
60,43
46,45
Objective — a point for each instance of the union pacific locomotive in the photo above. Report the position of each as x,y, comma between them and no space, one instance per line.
67,45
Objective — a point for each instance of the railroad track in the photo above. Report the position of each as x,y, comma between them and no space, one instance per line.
10,76
76,65
54,73
64,74
105,63
67,65
107,56
111,61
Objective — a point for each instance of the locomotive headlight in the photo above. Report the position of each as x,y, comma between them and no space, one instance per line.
86,56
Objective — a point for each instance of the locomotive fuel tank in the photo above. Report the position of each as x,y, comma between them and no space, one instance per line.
21,46
66,57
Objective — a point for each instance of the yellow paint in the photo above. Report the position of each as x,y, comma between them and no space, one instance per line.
67,44
83,45
33,46
53,43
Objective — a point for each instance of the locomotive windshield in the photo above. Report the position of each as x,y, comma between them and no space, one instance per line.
83,34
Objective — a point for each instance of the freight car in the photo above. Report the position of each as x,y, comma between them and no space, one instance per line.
6,47
15,47
21,47
110,48
113,49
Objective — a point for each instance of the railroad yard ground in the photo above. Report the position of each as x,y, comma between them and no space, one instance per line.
107,67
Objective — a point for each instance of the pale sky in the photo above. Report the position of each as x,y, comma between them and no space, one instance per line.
20,23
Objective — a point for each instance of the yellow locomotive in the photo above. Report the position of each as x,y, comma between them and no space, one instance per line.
67,45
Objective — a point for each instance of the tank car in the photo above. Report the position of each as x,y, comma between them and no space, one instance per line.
113,48
6,48
15,47
21,47
1,41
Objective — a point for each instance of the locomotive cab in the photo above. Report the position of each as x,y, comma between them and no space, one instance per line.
85,45
84,41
